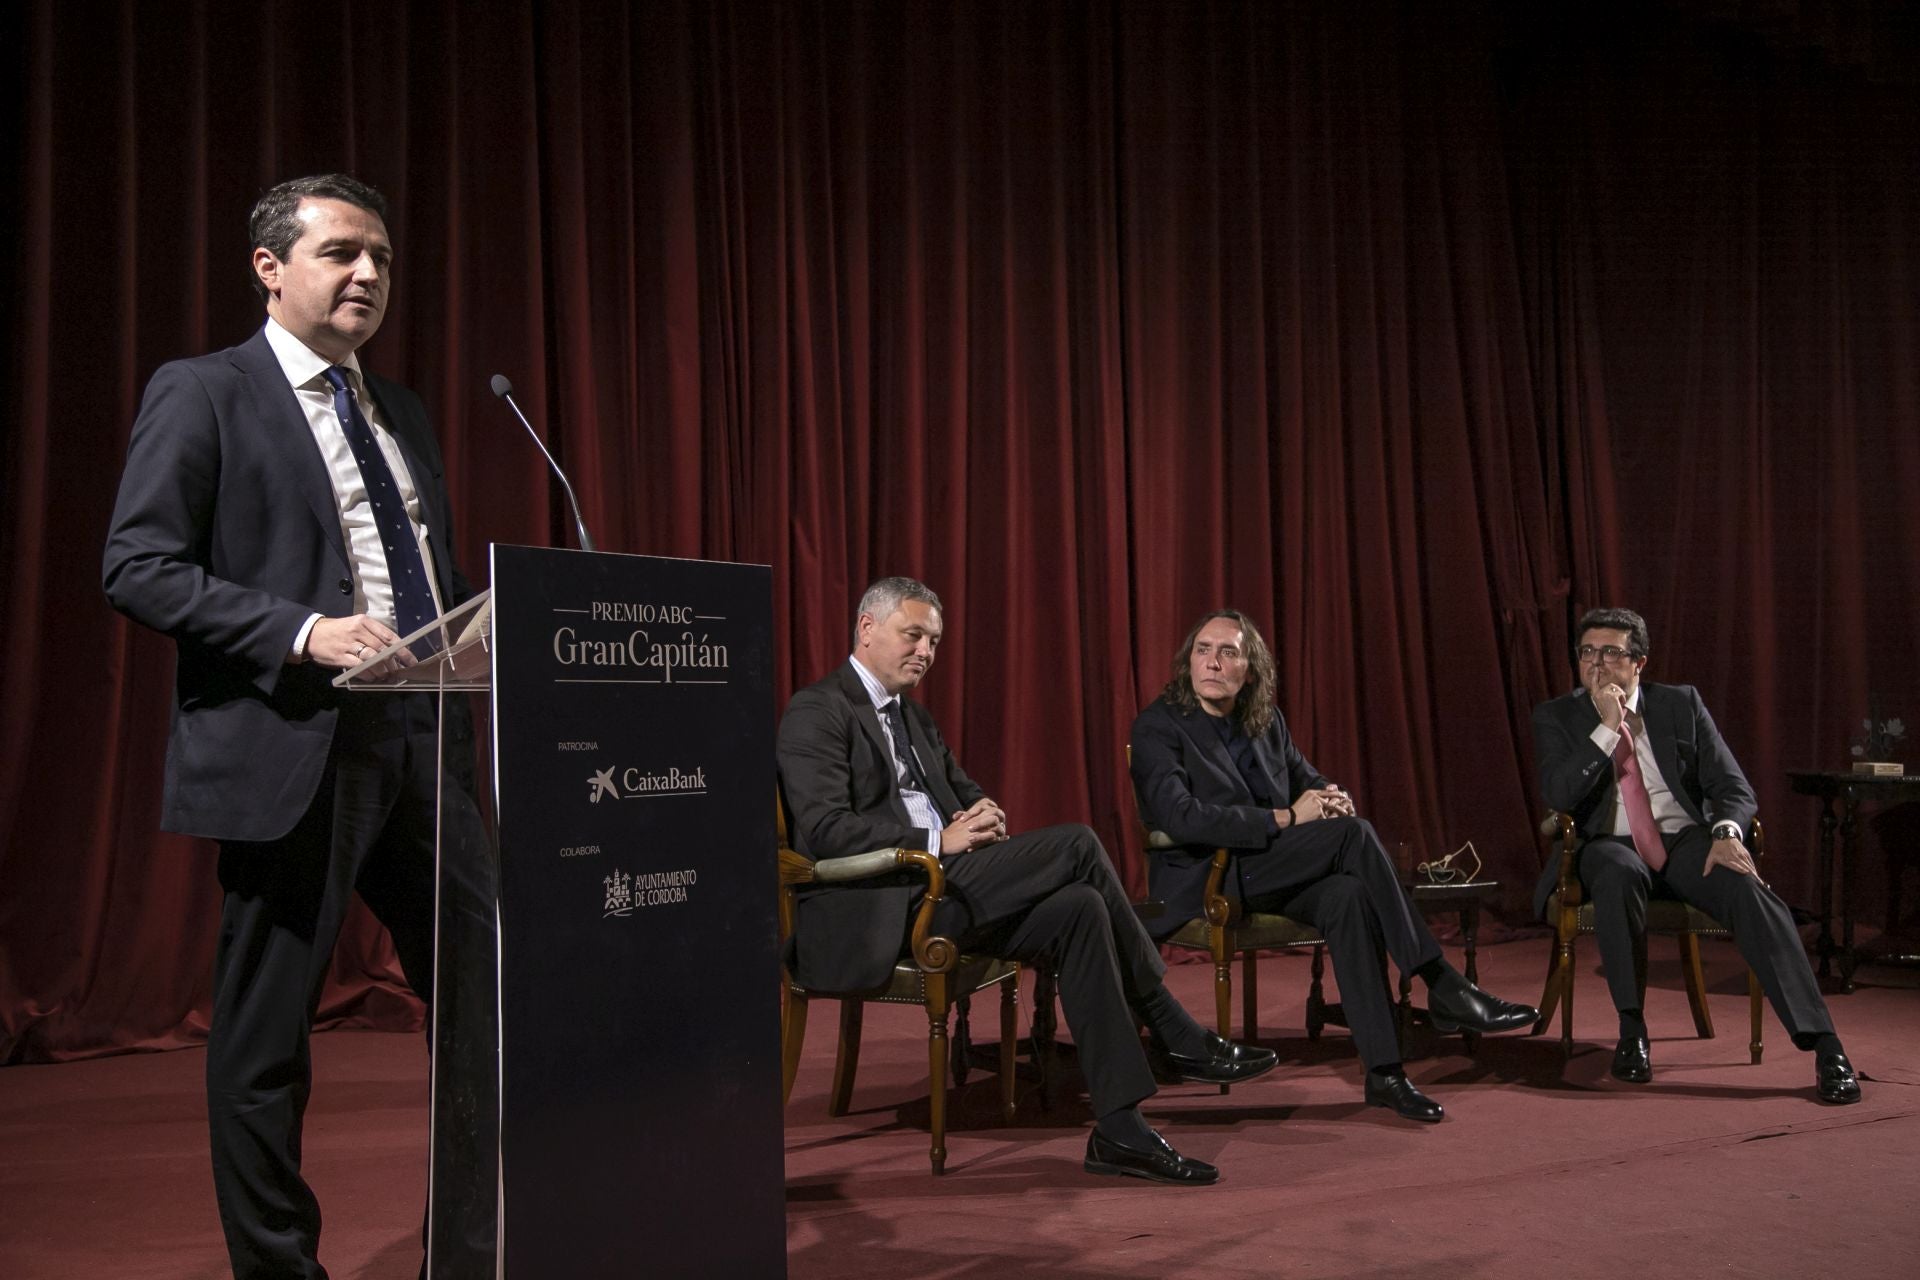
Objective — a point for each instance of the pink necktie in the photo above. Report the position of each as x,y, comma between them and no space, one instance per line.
1633,794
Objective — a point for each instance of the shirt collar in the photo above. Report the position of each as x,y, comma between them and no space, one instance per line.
875,690
301,363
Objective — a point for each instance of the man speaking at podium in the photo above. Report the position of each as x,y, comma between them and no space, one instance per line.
282,515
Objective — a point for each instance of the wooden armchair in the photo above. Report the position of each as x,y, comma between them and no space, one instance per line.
1226,930
1572,915
934,976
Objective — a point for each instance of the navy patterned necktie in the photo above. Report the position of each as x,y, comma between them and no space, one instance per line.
903,747
412,596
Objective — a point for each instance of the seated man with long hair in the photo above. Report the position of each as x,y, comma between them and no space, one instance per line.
1213,765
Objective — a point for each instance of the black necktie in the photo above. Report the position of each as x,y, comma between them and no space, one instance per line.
903,749
412,597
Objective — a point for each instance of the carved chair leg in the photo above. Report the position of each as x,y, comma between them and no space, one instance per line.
1009,1041
1316,993
853,1013
1249,997
1753,1016
962,1040
793,1033
1696,978
1222,946
937,1068
1549,990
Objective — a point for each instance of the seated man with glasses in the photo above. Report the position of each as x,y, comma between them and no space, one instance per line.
1213,765
1665,810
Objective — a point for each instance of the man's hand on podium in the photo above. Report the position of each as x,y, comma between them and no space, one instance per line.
346,642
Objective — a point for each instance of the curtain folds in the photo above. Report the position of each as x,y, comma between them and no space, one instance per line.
1411,330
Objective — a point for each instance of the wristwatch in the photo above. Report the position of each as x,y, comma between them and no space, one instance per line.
1726,829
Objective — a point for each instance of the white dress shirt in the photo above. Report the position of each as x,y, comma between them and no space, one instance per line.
919,804
1668,813
372,583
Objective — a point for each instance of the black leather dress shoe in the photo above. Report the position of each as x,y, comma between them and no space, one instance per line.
1159,1164
1397,1092
1453,1005
1834,1074
1226,1062
1632,1062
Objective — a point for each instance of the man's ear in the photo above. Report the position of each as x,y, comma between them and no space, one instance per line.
267,268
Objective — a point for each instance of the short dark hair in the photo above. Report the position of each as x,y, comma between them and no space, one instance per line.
274,223
1614,618
1253,709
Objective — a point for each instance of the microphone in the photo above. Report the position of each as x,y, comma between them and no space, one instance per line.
504,389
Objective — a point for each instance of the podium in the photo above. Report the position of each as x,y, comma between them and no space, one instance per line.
635,1063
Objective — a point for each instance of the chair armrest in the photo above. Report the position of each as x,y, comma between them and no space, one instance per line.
931,952
858,866
1758,845
1221,910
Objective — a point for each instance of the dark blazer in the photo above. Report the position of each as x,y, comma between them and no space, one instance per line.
226,536
1576,777
837,775
1188,787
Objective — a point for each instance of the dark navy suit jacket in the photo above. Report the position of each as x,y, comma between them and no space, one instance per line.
1188,787
226,536
1576,777
838,778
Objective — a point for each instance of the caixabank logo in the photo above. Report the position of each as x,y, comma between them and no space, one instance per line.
636,783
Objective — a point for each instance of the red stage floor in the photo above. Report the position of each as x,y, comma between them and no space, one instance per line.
1718,1167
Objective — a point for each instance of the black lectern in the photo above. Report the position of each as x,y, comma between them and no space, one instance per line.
638,1039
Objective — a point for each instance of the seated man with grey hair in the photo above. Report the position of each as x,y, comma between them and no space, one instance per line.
863,768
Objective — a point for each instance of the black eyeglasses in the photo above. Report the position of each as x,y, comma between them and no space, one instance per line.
1607,652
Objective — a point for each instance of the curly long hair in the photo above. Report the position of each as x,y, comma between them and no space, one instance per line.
1253,710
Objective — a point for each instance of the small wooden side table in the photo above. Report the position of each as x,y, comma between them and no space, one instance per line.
1849,788
1466,899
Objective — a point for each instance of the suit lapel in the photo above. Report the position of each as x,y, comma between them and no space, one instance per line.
284,431
942,793
868,718
1207,742
1657,714
1278,779
406,432
1585,718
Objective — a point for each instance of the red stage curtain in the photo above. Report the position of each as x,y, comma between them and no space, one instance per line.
1412,330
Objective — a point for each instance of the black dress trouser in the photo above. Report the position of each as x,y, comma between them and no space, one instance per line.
370,829
1619,882
1053,894
1334,874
